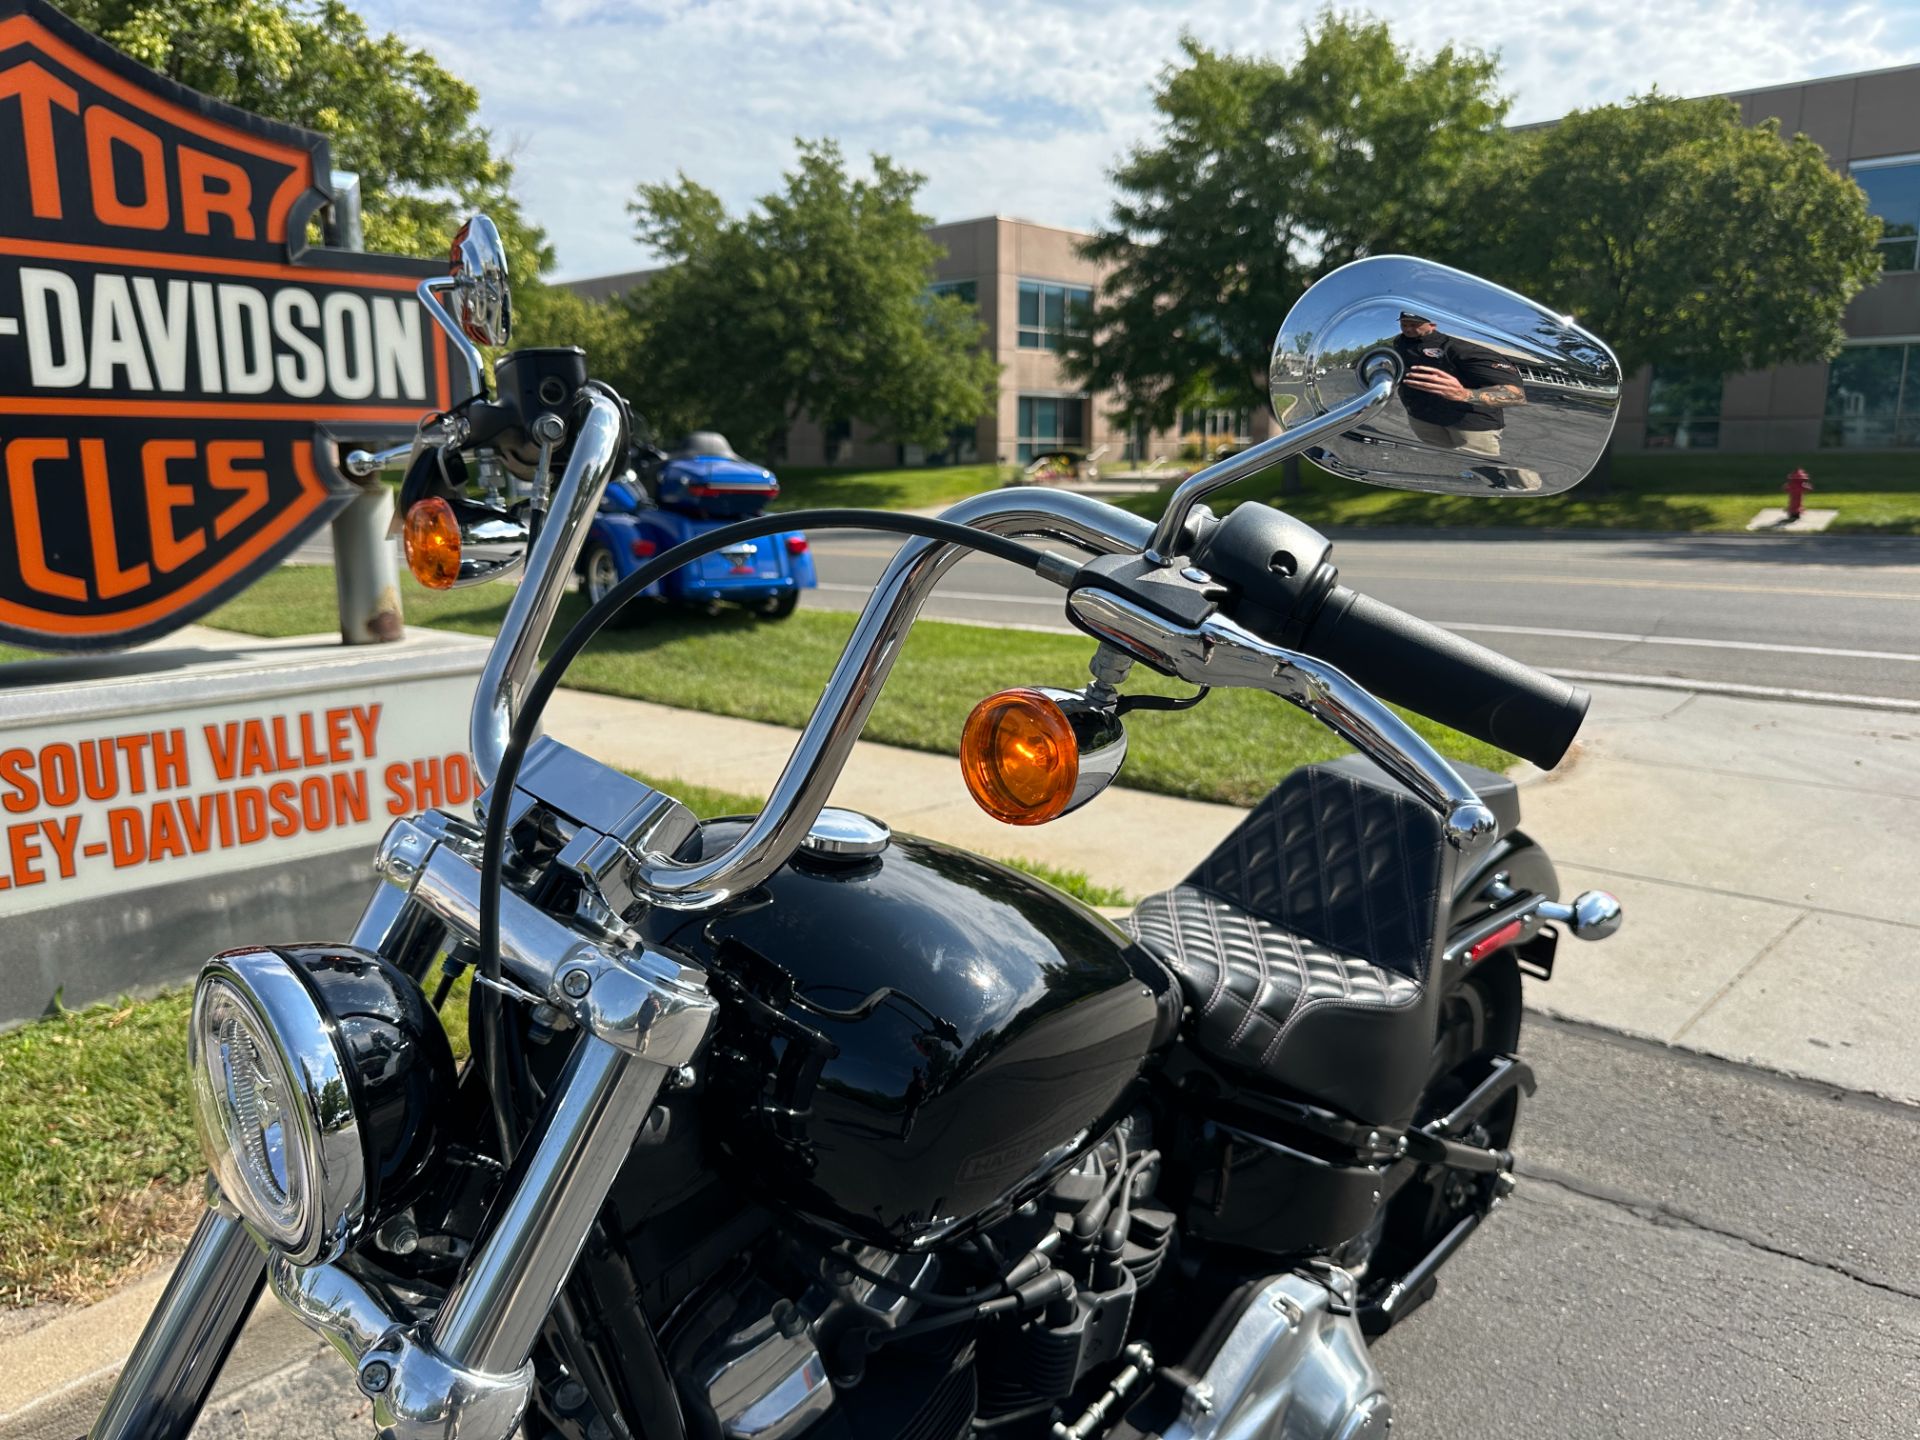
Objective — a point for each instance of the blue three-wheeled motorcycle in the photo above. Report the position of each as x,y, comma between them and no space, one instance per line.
666,497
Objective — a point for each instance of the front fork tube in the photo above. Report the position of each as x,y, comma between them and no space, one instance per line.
166,1380
468,1371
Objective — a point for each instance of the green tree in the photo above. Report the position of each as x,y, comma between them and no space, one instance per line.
1680,235
815,302
395,116
1263,177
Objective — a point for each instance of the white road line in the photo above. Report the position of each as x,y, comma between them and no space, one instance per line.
1622,637
8,325
1687,640
1622,582
1599,677
1755,692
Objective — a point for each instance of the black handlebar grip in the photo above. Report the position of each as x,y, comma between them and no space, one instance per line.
1402,658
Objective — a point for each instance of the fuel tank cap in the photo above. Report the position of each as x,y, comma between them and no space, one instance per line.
845,835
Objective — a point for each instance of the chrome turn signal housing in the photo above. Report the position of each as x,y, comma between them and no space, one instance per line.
1034,754
316,1071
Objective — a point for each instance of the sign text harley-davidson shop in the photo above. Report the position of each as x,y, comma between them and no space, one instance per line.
178,367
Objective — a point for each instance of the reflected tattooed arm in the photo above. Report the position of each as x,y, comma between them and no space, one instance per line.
1449,387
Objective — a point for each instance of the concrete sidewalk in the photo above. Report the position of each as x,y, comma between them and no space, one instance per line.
1765,853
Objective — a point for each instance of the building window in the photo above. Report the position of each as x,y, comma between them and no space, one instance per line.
1050,313
962,448
1207,433
1893,193
1683,411
1051,422
1867,405
967,290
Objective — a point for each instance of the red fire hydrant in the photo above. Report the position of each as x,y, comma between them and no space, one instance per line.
1796,487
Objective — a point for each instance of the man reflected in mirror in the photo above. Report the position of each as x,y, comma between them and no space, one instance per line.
1455,392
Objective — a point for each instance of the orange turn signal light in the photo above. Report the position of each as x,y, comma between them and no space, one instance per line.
1019,757
432,538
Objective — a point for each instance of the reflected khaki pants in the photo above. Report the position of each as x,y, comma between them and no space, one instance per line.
1447,437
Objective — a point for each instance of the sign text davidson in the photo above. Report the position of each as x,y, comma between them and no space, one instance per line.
178,370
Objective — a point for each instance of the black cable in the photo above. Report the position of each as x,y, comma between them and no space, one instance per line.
493,845
932,1299
1126,704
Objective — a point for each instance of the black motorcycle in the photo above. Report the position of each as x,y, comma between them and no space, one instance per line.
788,1125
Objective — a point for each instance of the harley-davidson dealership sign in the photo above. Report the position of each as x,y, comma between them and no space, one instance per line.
178,369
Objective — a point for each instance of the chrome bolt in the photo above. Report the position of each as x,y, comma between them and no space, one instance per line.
399,1236
375,1376
576,983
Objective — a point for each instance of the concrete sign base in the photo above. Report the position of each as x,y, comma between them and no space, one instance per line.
211,791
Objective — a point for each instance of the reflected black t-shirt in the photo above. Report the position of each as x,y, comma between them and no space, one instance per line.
1472,365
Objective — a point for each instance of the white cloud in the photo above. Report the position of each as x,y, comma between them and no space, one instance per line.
1019,107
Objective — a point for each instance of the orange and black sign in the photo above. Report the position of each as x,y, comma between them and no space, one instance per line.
178,371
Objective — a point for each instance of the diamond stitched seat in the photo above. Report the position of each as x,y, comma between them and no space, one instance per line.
1245,976
1302,943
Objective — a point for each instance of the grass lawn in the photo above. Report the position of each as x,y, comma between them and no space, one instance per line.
1874,493
915,489
1232,749
100,1171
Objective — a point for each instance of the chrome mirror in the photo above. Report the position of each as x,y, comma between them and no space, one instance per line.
1493,394
476,284
483,300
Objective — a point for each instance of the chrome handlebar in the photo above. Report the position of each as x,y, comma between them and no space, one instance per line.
860,673
496,701
1217,653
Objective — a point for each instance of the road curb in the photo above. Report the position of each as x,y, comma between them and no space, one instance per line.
56,1376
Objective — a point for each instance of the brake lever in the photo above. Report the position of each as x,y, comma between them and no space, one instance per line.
1219,652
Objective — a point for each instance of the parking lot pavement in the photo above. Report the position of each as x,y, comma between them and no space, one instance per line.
1696,1249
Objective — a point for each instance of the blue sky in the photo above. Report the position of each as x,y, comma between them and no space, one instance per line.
1018,107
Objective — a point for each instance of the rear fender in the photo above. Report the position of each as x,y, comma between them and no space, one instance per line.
1514,855
1519,870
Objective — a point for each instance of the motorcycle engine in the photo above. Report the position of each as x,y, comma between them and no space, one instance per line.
792,1334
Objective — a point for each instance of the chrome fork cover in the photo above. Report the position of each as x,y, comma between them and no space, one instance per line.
1294,1367
417,1393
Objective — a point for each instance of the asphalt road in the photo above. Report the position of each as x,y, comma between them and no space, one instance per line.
1823,617
1696,1250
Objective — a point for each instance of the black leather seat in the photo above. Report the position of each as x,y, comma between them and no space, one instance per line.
1304,942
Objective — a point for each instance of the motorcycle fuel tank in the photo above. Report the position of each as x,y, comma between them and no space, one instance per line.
915,1041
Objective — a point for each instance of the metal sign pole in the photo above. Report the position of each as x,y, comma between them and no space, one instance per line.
365,576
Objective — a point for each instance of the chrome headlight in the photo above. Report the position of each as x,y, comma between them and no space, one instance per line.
315,1072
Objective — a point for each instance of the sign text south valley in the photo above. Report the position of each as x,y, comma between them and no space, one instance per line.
128,800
